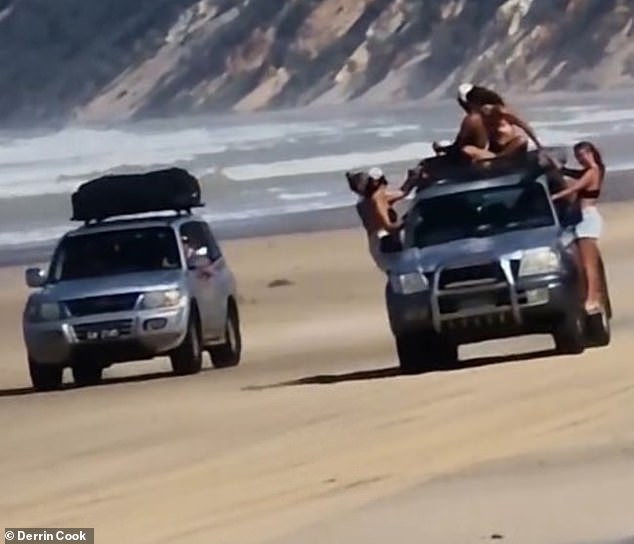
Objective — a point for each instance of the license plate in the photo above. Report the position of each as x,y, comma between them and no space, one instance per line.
472,303
103,334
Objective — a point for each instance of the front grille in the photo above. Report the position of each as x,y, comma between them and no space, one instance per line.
104,331
81,307
449,304
470,276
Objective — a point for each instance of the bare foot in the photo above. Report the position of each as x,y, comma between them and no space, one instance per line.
593,307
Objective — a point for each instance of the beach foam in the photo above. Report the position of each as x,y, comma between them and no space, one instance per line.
327,163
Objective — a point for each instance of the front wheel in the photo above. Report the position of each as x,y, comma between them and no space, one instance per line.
187,358
45,377
228,354
408,349
87,374
425,351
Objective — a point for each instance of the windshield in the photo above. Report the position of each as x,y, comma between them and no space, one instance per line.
483,212
109,253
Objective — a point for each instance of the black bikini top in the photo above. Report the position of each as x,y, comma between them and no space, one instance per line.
576,174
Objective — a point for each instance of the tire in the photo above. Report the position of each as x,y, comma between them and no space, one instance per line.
87,374
228,354
446,354
425,352
187,358
607,301
45,377
410,357
569,333
598,331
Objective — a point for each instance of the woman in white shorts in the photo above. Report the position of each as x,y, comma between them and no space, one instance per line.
588,188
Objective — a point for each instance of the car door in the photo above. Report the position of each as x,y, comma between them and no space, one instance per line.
200,275
221,280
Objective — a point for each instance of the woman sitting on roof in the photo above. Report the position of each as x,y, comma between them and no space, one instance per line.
506,132
489,130
472,132
586,185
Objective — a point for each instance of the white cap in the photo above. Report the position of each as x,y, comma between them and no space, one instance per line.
375,173
464,90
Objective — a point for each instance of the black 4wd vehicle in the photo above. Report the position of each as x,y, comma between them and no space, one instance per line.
486,254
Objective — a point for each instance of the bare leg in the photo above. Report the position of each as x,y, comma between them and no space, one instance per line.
477,153
515,145
590,258
581,267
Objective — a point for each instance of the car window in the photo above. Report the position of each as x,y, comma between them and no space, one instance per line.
196,235
109,253
214,249
479,213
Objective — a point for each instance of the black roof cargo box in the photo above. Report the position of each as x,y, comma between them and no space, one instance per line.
113,195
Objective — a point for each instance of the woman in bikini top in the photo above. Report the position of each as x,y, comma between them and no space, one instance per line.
586,185
507,132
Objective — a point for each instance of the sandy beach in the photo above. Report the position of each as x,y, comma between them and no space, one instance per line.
315,438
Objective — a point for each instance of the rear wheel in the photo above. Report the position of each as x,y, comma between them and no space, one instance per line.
569,333
228,354
607,301
598,332
187,358
45,377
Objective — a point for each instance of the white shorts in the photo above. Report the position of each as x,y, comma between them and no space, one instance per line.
591,223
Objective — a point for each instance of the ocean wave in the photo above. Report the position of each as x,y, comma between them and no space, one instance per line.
345,161
327,163
584,116
303,196
25,238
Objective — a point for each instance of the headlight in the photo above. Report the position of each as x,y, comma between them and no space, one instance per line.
406,284
160,299
539,261
44,311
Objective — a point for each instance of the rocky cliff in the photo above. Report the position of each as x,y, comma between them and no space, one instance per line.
94,60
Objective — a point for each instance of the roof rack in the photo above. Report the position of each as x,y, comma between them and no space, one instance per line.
152,214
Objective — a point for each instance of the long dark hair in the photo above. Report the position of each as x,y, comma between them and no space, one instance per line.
481,96
596,154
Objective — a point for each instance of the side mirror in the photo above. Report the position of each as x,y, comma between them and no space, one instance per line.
35,277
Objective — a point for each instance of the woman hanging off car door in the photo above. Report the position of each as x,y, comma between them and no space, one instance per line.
374,208
586,186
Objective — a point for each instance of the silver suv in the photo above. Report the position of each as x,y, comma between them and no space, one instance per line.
128,290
